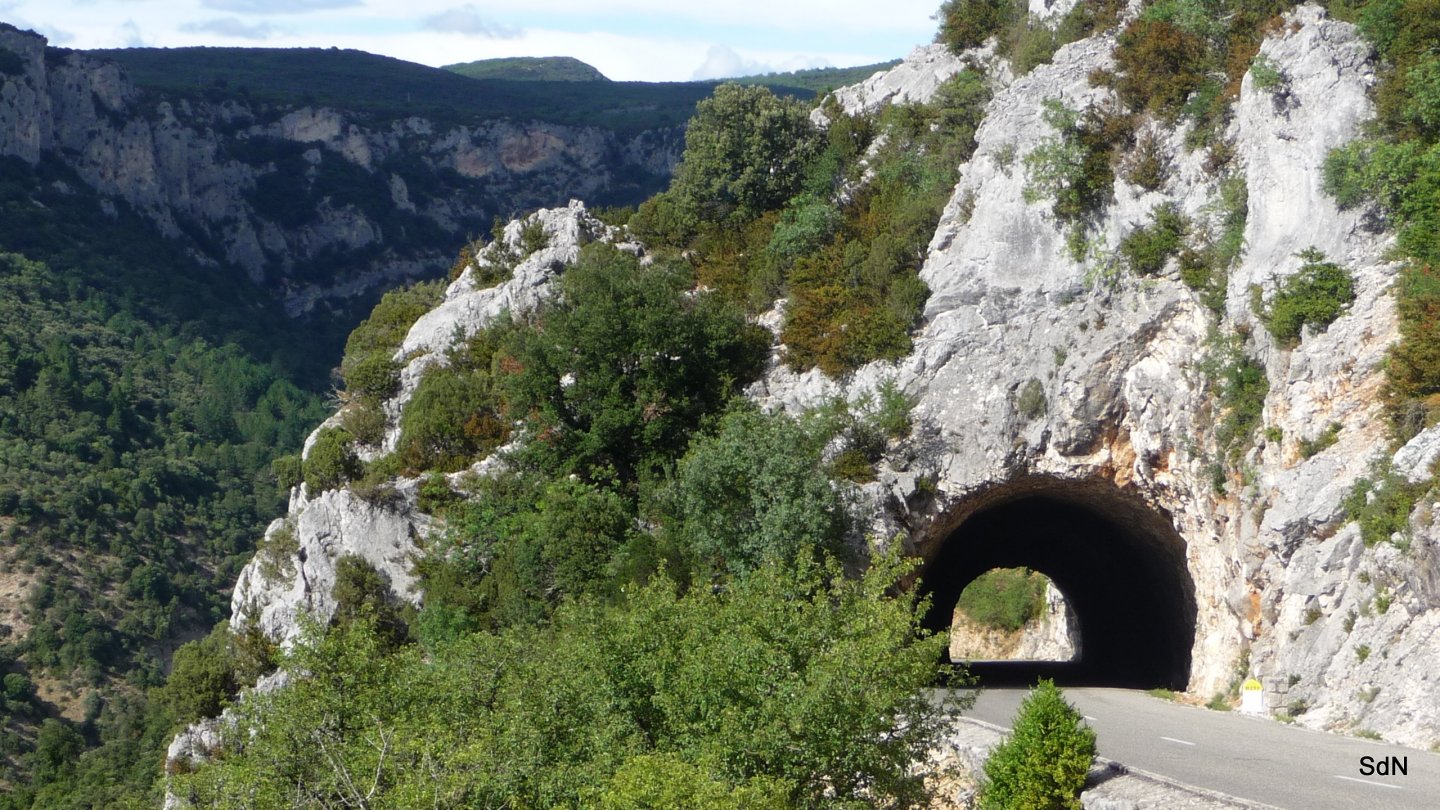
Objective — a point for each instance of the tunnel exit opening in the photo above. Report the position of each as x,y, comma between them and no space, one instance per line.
1119,563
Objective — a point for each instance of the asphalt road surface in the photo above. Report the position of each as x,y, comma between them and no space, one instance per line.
1245,757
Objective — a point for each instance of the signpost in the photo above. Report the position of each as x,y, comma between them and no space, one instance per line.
1252,697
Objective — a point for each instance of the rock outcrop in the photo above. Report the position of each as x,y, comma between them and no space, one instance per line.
316,203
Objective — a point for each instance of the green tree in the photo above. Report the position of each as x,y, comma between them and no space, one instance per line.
202,677
745,153
331,461
1042,764
968,23
756,491
620,370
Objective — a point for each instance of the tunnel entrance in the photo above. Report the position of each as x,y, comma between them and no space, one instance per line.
1119,563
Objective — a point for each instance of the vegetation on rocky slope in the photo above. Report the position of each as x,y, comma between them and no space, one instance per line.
1398,169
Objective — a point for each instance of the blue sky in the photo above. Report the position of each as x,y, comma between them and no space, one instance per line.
649,40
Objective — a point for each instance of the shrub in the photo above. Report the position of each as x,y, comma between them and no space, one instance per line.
1074,170
287,471
360,590
668,782
1266,74
1315,296
968,23
1327,438
1030,401
373,376
202,679
1146,250
1158,66
331,461
1413,366
367,367
1004,598
453,419
1239,385
1147,165
366,421
1381,503
1044,761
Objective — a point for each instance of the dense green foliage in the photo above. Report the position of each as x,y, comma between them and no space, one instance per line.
623,366
1187,58
1315,296
529,68
1044,761
127,440
968,23
756,491
1027,42
1146,250
746,151
1075,169
1004,598
794,687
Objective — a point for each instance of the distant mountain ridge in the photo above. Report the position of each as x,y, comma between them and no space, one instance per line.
529,68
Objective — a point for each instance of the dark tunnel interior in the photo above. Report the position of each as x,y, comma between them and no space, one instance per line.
1120,565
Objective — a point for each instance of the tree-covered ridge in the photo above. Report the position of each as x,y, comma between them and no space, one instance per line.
392,89
529,68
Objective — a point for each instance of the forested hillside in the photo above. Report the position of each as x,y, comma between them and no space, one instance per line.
140,408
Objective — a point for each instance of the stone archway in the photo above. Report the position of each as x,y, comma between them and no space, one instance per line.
1120,564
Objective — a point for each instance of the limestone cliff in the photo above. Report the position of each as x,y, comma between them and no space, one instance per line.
316,203
1253,553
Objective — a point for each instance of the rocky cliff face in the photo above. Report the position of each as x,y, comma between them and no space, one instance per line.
1284,588
1276,583
317,203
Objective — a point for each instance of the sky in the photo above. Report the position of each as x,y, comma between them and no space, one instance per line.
633,40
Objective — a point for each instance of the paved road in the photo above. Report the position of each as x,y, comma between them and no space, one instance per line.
1247,757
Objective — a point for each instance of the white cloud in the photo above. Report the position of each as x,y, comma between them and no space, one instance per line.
130,35
722,62
232,27
278,6
469,21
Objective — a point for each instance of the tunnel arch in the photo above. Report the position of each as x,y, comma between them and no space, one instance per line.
1119,562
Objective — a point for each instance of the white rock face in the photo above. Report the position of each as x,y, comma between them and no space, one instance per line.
1284,589
913,81
294,573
